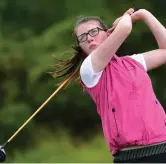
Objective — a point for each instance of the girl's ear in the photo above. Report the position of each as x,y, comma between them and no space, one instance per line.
109,31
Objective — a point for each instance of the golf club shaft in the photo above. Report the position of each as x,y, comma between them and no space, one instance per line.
30,118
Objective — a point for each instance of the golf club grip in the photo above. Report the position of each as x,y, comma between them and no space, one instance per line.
54,93
113,27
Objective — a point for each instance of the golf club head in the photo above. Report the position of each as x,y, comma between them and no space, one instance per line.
2,155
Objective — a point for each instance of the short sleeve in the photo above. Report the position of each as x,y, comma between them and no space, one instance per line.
88,76
139,58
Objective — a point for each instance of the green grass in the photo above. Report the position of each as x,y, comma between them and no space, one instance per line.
61,148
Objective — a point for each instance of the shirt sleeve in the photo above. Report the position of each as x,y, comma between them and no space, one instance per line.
139,58
88,76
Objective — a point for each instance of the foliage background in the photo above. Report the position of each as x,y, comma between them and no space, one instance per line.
68,129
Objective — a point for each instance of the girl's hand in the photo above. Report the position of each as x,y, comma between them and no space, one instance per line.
139,15
129,11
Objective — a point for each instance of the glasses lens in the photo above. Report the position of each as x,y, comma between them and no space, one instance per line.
94,32
82,38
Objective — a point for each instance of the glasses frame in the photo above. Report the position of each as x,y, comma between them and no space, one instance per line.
89,33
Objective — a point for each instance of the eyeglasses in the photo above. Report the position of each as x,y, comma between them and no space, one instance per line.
93,32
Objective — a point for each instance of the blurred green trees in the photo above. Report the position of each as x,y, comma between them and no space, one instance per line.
31,33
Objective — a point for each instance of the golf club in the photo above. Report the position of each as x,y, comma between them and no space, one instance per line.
2,151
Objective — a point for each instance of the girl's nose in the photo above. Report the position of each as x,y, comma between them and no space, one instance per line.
90,38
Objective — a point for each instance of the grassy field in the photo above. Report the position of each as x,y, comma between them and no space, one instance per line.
61,148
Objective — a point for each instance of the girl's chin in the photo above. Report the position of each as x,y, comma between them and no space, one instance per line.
92,49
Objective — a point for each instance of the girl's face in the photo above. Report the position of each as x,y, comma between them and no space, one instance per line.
90,35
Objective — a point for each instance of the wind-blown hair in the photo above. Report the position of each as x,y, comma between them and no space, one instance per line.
67,67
